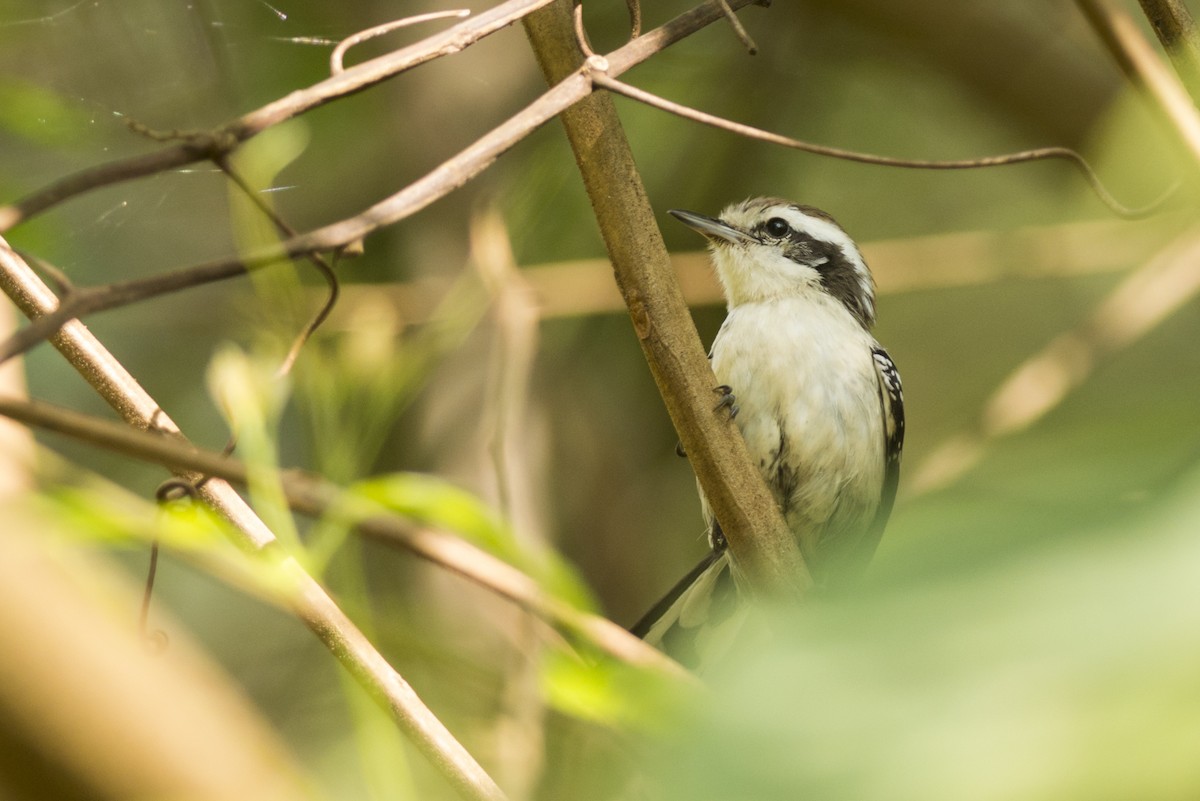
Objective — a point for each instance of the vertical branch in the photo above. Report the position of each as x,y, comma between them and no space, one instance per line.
1176,30
519,733
765,552
1145,69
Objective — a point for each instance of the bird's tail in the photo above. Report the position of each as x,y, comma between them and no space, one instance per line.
697,620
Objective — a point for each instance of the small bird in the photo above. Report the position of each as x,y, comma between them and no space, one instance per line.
818,401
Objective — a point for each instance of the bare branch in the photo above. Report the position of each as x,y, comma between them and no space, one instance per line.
351,81
443,180
765,550
339,52
738,28
80,302
1143,67
581,37
313,496
1176,30
1037,154
635,18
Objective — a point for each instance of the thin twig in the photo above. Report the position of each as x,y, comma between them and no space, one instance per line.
443,180
339,52
220,142
156,639
312,496
1037,154
317,260
581,37
635,18
738,28
84,301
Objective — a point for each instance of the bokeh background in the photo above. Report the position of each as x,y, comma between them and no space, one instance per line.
1030,604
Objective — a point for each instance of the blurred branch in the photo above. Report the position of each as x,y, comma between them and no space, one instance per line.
1043,381
313,496
77,686
514,348
16,441
1143,67
1176,30
514,476
313,605
965,258
1037,154
443,180
765,550
198,147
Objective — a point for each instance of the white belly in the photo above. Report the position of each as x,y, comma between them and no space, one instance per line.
809,410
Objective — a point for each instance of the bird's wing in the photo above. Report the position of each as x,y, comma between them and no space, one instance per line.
891,406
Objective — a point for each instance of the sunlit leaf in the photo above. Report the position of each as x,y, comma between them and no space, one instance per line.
429,500
611,693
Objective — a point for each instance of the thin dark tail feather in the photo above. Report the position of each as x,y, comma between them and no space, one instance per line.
642,627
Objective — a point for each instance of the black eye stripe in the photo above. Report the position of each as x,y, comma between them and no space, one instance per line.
801,246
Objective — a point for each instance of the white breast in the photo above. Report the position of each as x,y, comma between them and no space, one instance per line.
806,386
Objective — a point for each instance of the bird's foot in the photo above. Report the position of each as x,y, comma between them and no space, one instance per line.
728,400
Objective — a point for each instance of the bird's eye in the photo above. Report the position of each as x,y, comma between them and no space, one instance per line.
777,226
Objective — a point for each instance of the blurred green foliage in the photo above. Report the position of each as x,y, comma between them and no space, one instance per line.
1064,672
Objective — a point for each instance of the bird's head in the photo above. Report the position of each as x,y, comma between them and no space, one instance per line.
766,248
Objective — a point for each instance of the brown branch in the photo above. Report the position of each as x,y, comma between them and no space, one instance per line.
1037,154
443,180
635,18
313,605
739,30
339,53
79,302
312,496
1143,67
207,146
1176,30
765,550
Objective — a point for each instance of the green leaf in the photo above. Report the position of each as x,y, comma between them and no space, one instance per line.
432,501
